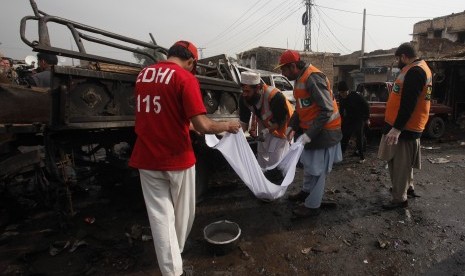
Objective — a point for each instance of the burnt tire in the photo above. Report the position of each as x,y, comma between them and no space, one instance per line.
435,128
88,99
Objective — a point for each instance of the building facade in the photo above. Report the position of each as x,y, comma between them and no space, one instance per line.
267,58
450,27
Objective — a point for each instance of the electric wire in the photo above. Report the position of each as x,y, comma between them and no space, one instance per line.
370,14
372,40
264,20
337,23
324,22
269,28
331,44
234,25
231,35
299,32
257,23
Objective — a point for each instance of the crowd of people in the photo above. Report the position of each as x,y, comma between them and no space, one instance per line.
38,77
172,106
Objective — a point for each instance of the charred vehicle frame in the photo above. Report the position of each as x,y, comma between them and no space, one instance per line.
91,109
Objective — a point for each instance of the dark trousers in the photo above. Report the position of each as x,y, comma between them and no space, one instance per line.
357,127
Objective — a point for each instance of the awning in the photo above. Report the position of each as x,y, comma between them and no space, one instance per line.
375,70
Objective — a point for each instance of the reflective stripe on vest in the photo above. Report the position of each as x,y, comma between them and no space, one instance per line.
419,117
266,115
268,94
307,110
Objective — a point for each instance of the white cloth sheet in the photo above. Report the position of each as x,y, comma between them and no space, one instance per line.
239,155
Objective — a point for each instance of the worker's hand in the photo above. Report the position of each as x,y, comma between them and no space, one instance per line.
392,137
233,127
305,139
290,133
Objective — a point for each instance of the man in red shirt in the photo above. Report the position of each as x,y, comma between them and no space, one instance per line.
168,99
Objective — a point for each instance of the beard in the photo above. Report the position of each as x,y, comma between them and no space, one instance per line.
400,65
252,99
292,76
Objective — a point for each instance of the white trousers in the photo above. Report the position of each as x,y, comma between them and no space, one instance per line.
170,201
271,151
317,164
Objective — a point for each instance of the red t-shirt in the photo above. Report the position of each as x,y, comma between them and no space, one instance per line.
167,96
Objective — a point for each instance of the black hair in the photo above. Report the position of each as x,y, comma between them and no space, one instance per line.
180,52
10,60
49,58
253,86
407,50
342,86
300,64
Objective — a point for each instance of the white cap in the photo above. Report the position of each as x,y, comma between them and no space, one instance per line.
250,78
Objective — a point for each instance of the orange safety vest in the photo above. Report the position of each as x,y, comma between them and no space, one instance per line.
308,110
266,115
419,117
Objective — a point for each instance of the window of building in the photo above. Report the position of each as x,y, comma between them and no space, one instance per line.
437,33
461,37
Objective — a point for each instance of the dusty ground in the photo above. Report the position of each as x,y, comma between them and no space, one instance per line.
357,238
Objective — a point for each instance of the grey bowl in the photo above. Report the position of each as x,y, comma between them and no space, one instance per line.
222,236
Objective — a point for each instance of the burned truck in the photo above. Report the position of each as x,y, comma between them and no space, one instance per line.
89,110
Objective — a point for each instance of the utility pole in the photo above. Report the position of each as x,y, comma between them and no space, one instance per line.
201,51
307,21
362,52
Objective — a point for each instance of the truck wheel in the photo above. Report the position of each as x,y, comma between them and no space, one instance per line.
435,128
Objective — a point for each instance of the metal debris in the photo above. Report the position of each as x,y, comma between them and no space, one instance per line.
76,244
346,242
439,160
7,235
146,238
429,148
57,247
384,244
307,250
89,220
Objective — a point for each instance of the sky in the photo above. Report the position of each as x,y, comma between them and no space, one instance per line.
228,26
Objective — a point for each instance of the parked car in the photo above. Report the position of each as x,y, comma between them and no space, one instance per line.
377,93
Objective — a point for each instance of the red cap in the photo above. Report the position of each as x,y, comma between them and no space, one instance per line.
289,56
189,46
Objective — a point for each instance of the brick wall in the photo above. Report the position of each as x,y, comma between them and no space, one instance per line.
437,47
449,25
